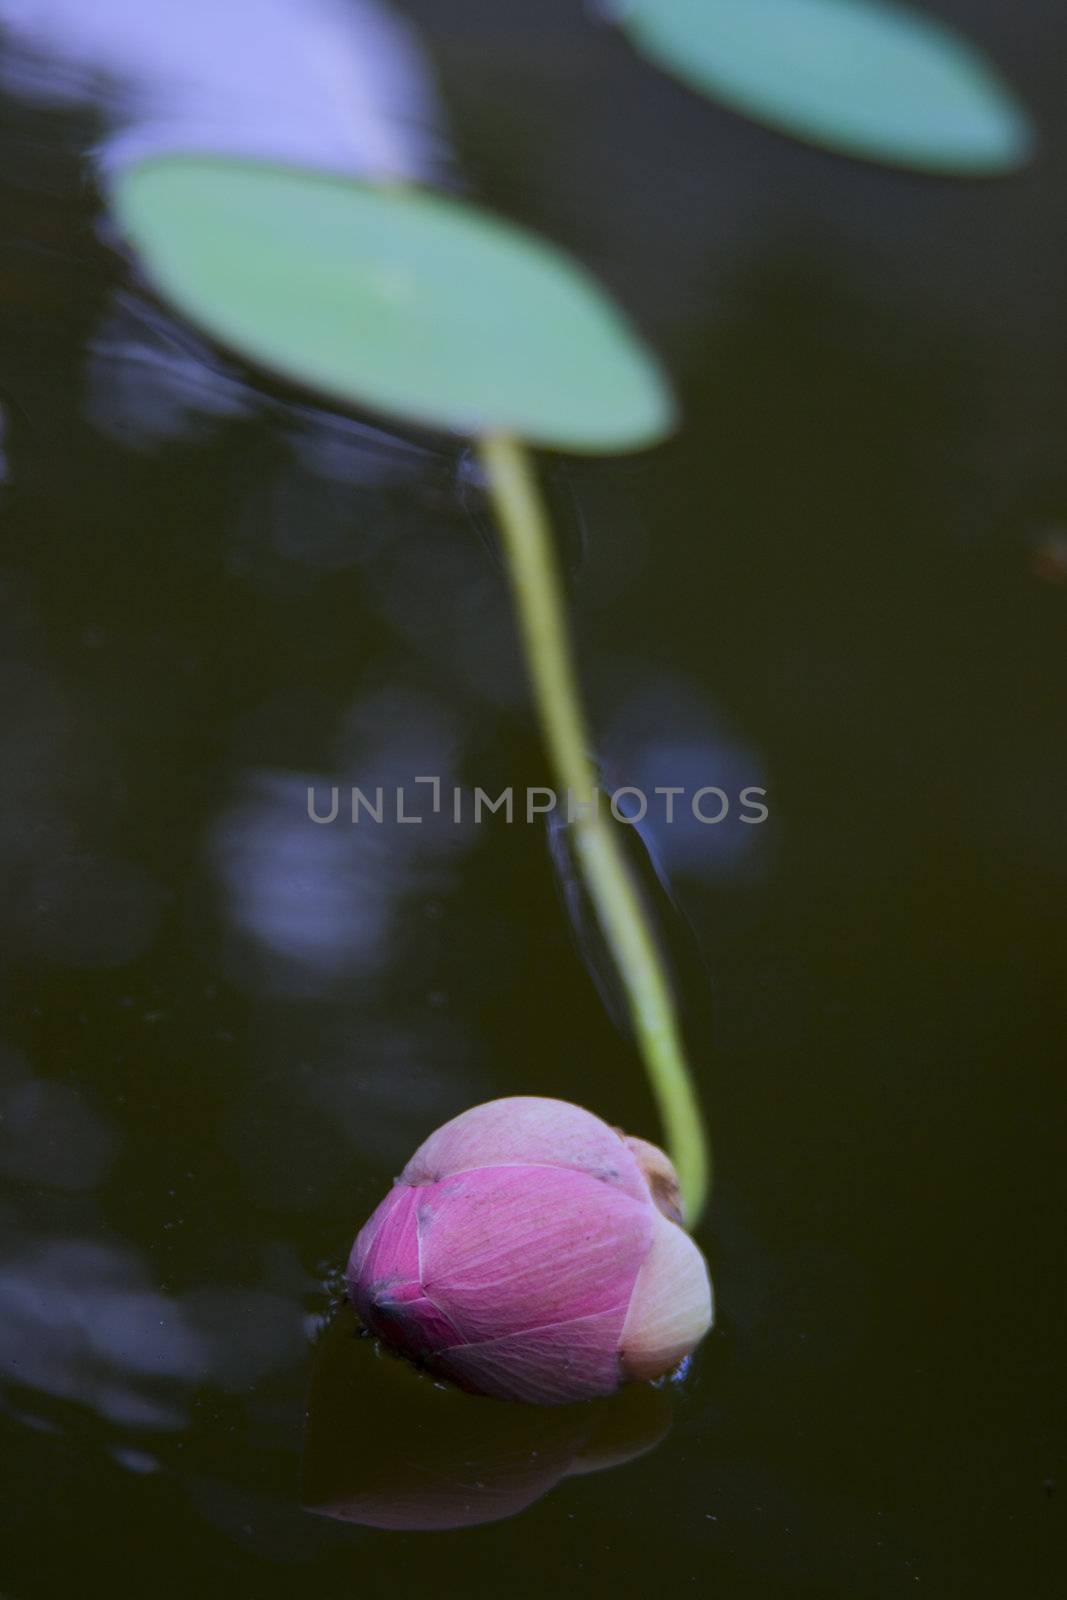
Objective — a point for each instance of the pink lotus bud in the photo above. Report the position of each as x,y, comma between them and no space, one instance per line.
528,1251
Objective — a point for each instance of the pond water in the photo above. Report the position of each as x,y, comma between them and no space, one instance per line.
223,1029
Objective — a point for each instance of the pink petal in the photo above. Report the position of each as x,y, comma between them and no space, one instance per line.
509,1249
387,1245
549,1366
531,1130
384,1279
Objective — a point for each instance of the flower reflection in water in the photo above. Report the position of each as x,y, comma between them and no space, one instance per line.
387,1447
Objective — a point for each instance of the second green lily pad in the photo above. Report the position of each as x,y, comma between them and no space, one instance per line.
866,77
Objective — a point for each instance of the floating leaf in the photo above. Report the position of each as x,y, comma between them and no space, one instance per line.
867,77
394,299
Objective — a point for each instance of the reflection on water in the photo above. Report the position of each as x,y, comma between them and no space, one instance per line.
314,903
49,1133
149,381
679,951
82,1321
334,83
666,733
311,904
387,1447
566,513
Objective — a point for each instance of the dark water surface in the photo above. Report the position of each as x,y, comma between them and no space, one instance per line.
223,1029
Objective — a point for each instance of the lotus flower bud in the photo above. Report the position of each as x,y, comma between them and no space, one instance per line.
531,1252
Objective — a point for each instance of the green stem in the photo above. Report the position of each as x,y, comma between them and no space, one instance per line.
528,547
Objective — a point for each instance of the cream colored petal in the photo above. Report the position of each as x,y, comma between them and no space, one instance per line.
657,1168
671,1306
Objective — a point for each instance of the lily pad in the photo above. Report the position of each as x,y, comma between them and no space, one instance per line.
394,299
866,77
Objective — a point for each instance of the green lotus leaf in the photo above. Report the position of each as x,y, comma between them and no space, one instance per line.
866,77
394,299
